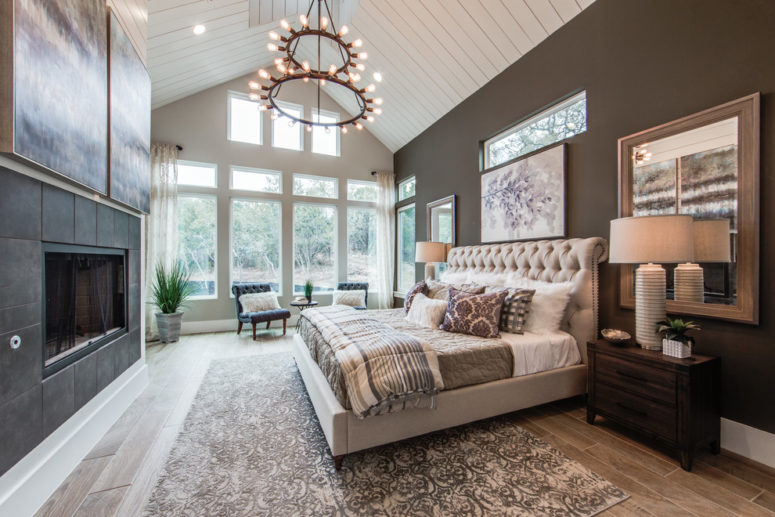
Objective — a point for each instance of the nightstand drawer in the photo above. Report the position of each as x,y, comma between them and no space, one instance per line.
640,378
638,411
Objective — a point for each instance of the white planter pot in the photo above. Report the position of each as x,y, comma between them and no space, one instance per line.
677,349
169,326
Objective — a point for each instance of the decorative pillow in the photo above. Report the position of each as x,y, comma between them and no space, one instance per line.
440,290
475,314
426,312
257,302
419,287
351,297
515,309
548,307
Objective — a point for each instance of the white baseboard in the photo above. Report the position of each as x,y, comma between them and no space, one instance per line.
230,325
749,442
28,484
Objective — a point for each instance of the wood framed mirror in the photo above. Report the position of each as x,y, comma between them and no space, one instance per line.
705,165
441,224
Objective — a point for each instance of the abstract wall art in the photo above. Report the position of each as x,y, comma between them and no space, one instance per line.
130,122
525,198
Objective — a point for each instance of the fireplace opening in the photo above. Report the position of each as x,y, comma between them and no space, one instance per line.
85,302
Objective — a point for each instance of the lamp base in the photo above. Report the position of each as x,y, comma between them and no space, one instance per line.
689,283
430,271
649,305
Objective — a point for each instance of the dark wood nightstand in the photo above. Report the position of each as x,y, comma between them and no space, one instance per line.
674,400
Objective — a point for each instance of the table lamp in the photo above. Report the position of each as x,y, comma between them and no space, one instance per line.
430,252
651,241
711,244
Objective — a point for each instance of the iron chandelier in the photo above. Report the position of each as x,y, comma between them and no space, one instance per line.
344,74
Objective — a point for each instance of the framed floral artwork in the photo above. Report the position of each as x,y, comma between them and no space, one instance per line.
524,199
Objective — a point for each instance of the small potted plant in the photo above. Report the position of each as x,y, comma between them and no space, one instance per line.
675,342
308,290
169,292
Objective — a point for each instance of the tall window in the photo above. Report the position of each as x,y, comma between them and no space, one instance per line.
361,191
314,246
197,223
561,121
197,174
406,188
244,119
406,242
255,241
286,133
362,245
325,140
259,180
315,186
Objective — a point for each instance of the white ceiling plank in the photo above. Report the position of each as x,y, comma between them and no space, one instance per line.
233,28
520,11
503,18
567,9
546,14
237,42
585,3
186,17
192,67
497,38
155,6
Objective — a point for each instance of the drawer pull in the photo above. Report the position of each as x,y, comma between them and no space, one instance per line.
631,376
633,410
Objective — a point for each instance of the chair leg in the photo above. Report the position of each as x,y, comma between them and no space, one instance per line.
239,328
267,324
285,325
254,332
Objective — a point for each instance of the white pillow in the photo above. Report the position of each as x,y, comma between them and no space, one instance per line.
257,302
454,277
488,278
426,312
547,307
352,297
515,279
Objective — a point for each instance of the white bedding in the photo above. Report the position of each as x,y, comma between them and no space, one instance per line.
535,353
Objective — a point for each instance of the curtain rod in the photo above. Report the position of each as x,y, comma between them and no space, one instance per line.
179,147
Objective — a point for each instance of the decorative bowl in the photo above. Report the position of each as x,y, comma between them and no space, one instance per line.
615,336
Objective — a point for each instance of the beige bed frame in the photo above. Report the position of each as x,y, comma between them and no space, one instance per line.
560,260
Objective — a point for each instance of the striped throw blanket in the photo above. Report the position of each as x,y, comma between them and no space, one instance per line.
383,369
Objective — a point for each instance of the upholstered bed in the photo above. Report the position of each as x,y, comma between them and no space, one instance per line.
478,375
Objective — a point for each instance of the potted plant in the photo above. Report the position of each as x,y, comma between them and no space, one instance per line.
169,292
308,290
675,342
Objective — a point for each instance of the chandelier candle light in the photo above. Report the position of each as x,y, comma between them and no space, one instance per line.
343,74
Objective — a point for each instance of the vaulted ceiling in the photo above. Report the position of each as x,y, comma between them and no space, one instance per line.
432,54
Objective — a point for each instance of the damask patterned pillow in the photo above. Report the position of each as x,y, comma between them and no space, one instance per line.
515,309
419,287
475,314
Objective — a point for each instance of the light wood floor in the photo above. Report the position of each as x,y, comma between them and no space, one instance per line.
117,477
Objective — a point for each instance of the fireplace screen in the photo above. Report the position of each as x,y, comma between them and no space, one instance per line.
85,302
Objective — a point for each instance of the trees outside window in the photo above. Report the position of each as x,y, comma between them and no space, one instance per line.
314,246
256,227
361,191
197,223
406,188
315,186
362,245
405,248
259,180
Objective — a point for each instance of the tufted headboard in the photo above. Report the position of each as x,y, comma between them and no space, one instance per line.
559,260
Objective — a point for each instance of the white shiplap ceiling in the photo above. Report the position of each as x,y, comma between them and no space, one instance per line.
432,53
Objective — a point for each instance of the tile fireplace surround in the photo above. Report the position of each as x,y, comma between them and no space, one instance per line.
32,212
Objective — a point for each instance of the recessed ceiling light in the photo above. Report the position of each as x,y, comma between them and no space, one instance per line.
377,76
199,29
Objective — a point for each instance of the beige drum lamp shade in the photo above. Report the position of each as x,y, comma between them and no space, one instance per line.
649,241
711,240
430,252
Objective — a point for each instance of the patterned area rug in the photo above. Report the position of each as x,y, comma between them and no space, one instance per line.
251,445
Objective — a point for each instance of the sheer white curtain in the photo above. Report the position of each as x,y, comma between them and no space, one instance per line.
161,225
386,224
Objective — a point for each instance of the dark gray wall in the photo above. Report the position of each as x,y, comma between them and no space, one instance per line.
32,212
642,64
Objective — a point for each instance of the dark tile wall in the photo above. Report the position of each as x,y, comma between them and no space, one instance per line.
32,212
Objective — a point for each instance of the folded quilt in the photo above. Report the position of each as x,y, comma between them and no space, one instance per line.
383,369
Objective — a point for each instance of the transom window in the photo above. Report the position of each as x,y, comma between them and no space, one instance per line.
244,119
561,121
325,140
258,180
361,191
406,188
315,186
196,174
286,133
